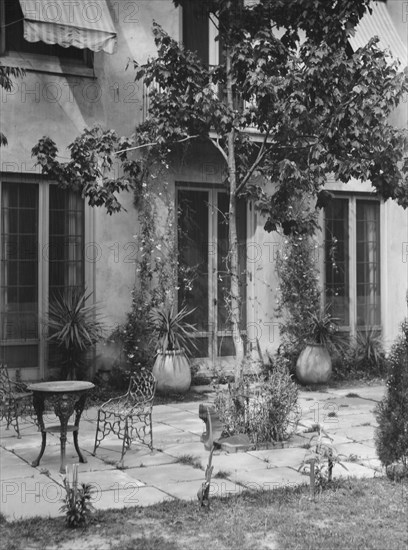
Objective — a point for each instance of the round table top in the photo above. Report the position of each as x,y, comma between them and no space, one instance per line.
61,386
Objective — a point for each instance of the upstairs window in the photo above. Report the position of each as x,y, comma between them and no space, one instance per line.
63,29
200,31
12,39
196,28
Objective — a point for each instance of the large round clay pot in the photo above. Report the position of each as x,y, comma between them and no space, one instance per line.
314,365
172,372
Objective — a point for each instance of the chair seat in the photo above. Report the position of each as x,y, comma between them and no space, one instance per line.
122,410
18,395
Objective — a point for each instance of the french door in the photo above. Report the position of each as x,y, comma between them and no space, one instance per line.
352,266
204,276
41,255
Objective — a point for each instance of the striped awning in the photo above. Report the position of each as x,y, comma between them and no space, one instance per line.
70,23
380,24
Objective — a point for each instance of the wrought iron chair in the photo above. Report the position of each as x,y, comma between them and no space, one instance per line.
15,400
129,416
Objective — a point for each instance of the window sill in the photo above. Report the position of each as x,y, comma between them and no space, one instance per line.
45,64
19,342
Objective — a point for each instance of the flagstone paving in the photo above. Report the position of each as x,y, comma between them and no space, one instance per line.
175,468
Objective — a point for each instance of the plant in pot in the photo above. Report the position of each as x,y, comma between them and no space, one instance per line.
314,364
175,339
75,328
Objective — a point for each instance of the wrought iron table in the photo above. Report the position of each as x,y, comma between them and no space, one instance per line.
67,397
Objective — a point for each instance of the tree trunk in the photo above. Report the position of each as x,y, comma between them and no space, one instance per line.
235,293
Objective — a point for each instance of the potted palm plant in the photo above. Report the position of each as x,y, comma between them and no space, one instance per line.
174,337
74,326
314,364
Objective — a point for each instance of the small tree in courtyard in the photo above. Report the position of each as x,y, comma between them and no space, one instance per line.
392,411
282,113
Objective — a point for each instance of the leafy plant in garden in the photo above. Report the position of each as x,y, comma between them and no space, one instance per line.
392,411
75,328
77,503
91,169
298,293
322,327
367,353
267,412
136,337
320,459
316,109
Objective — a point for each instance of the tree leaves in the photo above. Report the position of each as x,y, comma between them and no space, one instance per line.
313,109
92,171
6,82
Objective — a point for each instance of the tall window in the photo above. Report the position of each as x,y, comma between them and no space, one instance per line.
337,260
19,274
65,253
41,256
352,262
368,263
204,279
66,241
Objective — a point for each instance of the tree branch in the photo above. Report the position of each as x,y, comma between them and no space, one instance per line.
260,156
217,145
153,143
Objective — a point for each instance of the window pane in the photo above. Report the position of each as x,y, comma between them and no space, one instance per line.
337,259
195,28
225,346
19,266
20,357
368,263
65,250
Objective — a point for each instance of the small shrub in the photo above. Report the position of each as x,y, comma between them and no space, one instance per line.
222,474
359,357
77,504
392,412
367,354
324,455
266,412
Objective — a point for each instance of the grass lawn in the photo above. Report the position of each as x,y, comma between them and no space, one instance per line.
355,514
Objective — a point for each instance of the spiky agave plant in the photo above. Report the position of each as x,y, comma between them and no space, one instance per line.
75,327
172,330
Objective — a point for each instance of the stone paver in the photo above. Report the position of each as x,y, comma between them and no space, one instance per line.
129,496
154,476
270,478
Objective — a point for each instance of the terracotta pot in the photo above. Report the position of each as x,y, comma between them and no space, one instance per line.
314,365
172,372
